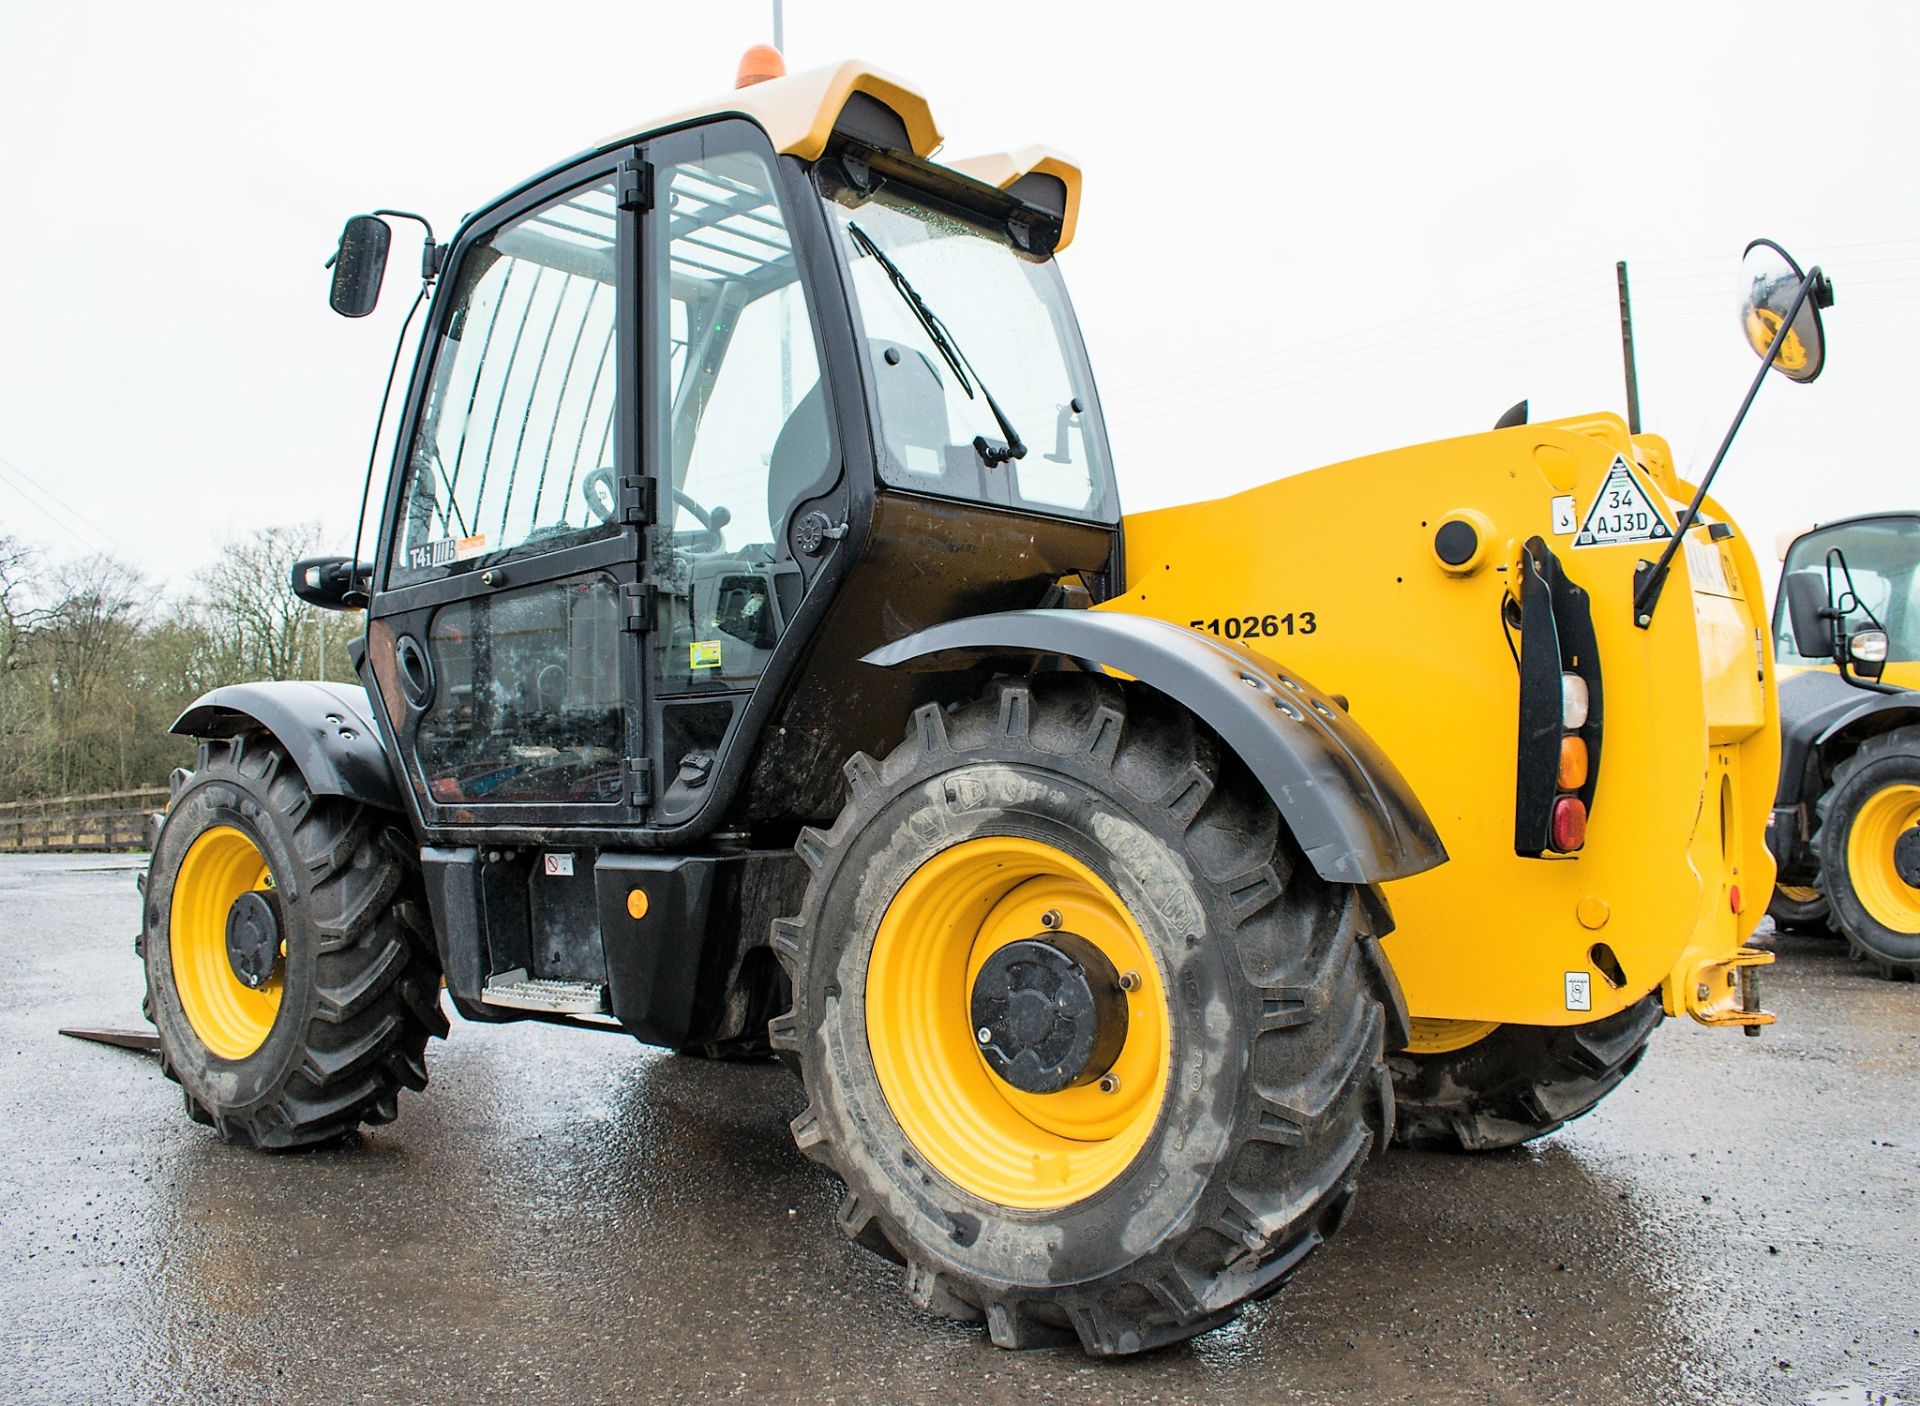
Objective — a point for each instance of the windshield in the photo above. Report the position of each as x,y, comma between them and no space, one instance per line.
1007,321
1883,558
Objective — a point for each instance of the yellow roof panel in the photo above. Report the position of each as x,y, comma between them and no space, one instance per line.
1001,169
798,111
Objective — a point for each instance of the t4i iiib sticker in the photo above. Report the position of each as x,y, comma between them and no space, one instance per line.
1622,511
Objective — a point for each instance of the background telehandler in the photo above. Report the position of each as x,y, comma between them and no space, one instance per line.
1846,821
754,439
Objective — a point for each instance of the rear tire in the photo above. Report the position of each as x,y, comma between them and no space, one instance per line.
1873,806
1801,910
1255,1085
1518,1082
342,1025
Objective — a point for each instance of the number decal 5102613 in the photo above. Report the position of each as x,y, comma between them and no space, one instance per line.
1248,627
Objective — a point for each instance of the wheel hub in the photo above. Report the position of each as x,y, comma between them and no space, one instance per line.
253,938
1906,857
1049,1013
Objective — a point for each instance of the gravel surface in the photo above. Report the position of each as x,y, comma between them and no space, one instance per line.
571,1217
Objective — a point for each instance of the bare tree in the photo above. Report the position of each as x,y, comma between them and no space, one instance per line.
259,628
94,669
18,733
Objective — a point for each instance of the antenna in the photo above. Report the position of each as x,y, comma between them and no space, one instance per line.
1626,346
779,27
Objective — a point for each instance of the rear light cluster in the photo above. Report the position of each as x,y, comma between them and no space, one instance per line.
1561,700
1567,830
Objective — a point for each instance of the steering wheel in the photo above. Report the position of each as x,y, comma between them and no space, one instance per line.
598,489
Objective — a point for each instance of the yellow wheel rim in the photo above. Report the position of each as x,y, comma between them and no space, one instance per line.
1432,1036
1887,815
1796,894
1002,1144
231,1019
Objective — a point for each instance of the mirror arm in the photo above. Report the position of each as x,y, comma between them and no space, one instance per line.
379,423
1844,662
1646,596
433,256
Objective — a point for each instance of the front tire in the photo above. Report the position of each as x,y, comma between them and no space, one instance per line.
1467,1087
1869,843
1247,1078
351,992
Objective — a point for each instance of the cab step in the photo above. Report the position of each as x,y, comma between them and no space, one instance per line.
517,990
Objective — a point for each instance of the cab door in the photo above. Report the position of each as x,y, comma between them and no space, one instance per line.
502,631
739,440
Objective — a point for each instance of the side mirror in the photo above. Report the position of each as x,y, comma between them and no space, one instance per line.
1772,281
359,264
1807,612
1867,652
332,583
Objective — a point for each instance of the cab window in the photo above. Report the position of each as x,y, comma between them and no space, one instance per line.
749,437
514,452
1882,557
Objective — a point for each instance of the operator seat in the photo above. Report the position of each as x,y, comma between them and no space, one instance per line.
913,415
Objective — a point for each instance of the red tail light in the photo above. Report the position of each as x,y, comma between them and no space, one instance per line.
1569,824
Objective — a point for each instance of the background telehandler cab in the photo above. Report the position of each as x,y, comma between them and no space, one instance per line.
1846,821
754,440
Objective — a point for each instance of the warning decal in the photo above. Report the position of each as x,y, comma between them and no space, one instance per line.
1579,991
1622,511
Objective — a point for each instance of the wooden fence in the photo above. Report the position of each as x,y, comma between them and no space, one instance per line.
112,820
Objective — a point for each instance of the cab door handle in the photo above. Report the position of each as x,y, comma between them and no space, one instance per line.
416,671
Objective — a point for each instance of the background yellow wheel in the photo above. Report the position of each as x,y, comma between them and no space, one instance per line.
988,1136
1800,908
1869,847
1096,1051
1880,829
231,1019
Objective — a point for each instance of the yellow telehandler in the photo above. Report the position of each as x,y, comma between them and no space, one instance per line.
1225,843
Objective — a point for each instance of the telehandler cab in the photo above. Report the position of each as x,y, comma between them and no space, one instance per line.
1845,830
750,440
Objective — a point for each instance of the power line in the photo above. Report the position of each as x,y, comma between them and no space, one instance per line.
1294,409
1167,397
1322,353
1370,371
29,488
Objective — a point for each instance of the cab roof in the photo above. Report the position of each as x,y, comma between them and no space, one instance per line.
800,112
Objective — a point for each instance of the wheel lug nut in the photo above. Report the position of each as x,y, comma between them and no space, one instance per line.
1109,1083
1129,981
983,1035
1050,920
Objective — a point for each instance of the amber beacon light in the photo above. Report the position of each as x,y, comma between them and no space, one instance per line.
758,64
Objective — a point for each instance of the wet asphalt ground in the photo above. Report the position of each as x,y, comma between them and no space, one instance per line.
571,1217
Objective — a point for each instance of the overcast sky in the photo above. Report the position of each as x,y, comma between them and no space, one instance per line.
1309,231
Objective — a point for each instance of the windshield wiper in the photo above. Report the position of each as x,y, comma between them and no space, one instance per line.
949,349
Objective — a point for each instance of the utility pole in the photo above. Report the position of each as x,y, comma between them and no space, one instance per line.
786,301
1626,344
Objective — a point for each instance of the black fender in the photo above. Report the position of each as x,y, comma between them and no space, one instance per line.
1872,715
326,727
1347,804
1823,718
